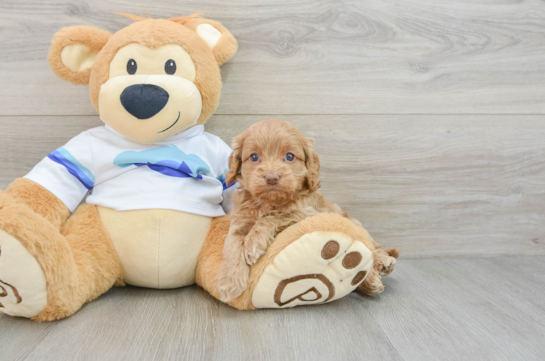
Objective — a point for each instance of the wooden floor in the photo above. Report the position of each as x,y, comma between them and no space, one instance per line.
432,309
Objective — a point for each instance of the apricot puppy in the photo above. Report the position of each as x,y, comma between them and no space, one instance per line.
278,172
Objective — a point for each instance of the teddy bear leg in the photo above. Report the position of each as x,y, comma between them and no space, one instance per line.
96,261
45,274
209,260
318,260
40,200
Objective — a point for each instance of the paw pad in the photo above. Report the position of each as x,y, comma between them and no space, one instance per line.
352,260
330,250
14,291
360,276
317,268
4,287
307,295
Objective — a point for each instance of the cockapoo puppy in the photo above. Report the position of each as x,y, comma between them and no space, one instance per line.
278,171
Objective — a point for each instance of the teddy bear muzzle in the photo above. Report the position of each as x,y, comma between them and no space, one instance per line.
143,101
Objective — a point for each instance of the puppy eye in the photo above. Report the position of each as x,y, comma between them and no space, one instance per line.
131,66
290,157
254,157
170,67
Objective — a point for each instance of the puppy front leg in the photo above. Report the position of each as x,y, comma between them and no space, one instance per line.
258,239
233,274
265,231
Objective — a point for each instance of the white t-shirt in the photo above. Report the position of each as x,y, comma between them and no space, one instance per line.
185,172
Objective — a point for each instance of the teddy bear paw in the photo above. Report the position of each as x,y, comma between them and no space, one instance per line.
317,268
22,282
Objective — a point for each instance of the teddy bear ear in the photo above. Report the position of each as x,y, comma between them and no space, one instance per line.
73,51
217,37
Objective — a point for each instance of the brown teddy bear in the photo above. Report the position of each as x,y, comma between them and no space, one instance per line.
156,201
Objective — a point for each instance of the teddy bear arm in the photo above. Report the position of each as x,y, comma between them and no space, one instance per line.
40,200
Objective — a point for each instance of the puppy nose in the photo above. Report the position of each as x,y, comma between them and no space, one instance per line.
272,179
144,100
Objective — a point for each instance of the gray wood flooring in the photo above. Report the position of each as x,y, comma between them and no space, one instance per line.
432,309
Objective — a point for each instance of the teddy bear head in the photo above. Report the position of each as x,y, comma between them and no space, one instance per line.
151,79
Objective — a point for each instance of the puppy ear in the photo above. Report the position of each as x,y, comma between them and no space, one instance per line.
235,161
312,163
73,51
216,36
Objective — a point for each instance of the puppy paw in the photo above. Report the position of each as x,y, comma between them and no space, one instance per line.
385,265
254,248
232,281
372,284
251,257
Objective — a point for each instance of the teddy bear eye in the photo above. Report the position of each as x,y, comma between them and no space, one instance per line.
290,157
254,157
170,67
131,66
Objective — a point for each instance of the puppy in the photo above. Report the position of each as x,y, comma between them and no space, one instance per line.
278,172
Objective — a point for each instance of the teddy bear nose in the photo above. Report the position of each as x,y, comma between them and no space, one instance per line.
144,100
272,179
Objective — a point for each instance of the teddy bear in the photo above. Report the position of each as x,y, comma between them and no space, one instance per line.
143,199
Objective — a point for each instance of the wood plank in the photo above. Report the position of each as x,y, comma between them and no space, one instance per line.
467,311
430,185
455,309
317,57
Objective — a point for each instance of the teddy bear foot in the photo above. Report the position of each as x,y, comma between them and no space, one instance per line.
319,267
22,283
